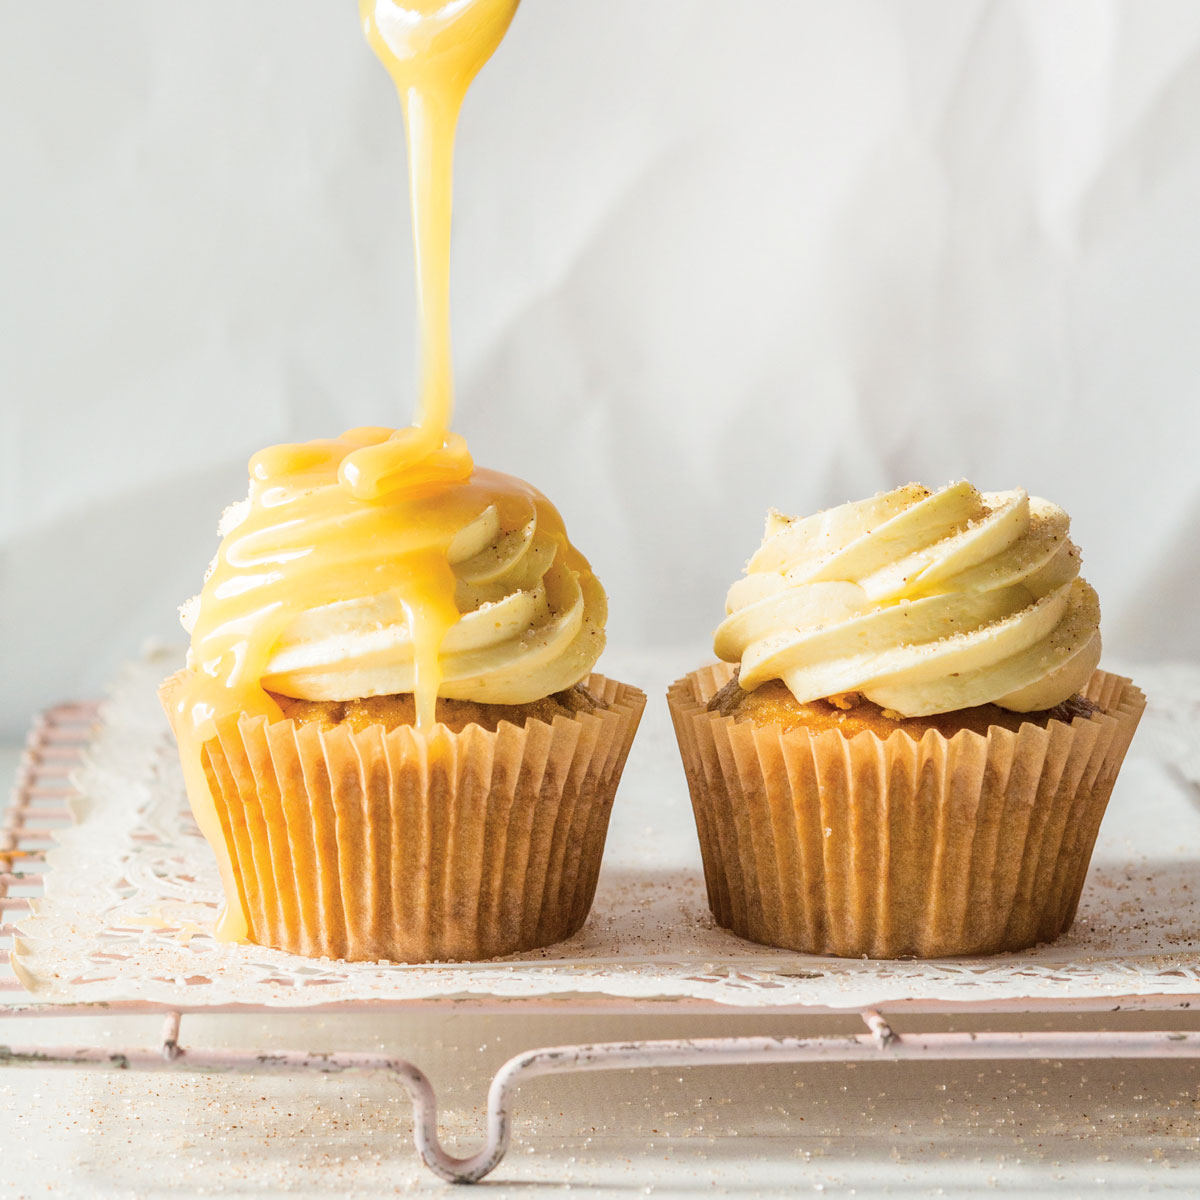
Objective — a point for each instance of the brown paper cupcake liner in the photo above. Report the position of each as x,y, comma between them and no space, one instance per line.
855,846
415,848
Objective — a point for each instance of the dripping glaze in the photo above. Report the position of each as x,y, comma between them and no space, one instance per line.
383,551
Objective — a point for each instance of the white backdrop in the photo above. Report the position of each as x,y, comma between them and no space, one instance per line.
709,258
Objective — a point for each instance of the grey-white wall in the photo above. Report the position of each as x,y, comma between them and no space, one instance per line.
709,258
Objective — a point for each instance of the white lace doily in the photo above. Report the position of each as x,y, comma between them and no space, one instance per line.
131,891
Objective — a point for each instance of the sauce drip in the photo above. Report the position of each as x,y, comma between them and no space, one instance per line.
432,49
377,509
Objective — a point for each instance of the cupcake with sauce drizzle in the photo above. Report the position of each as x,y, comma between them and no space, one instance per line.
908,748
389,729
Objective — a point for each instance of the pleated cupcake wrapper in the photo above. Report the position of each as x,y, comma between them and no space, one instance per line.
412,847
892,847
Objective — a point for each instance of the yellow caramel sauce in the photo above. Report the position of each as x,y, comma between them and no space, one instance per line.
376,509
432,49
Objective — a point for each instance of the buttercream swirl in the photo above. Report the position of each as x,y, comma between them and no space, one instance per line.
329,590
922,601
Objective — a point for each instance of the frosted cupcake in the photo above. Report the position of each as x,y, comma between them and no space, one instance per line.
908,748
389,725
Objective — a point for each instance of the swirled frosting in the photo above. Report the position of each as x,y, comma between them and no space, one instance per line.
319,594
921,601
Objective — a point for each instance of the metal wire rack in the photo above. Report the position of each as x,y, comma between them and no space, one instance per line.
41,803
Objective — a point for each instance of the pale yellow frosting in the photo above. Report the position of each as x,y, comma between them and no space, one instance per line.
331,588
923,602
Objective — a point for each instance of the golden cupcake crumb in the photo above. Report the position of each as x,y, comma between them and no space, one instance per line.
393,711
772,704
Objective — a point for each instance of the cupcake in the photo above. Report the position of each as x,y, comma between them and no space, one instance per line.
388,723
389,726
908,748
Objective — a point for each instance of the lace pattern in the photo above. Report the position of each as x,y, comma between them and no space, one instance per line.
131,892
